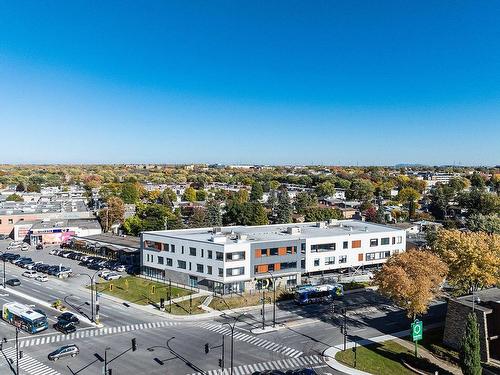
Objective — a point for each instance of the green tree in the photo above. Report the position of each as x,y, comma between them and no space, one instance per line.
214,217
201,195
14,198
21,187
242,196
470,354
112,214
440,198
198,219
303,201
130,192
409,197
33,188
484,223
361,189
322,214
259,214
168,197
284,208
477,181
325,189
174,220
189,195
257,192
133,225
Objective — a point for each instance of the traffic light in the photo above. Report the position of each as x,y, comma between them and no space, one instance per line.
207,348
220,362
162,303
134,344
21,354
110,372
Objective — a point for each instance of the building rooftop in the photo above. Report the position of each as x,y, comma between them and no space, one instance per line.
63,223
483,299
276,232
113,239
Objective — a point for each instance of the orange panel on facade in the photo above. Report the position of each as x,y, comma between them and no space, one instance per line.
257,253
360,257
277,266
282,251
261,268
356,244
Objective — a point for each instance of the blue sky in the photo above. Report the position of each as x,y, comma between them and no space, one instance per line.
271,82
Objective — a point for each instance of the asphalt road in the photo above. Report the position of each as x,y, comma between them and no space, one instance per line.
305,331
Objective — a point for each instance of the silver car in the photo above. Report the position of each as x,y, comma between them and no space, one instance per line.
64,351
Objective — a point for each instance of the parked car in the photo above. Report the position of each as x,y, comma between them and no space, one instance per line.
14,243
14,257
95,266
30,274
304,371
268,372
14,247
25,247
64,351
39,246
33,265
120,268
112,276
42,267
68,317
42,278
21,262
65,327
103,273
4,236
13,282
54,252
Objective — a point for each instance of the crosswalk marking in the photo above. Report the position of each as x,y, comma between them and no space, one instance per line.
57,337
282,364
268,345
30,365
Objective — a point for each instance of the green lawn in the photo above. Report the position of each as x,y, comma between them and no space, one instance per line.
355,285
384,359
139,290
182,308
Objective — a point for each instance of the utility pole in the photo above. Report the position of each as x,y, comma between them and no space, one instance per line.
263,309
169,295
344,330
17,351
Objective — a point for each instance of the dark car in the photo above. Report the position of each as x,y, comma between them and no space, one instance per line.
268,372
304,371
6,256
64,351
13,282
14,257
4,236
68,317
95,266
65,327
52,270
39,246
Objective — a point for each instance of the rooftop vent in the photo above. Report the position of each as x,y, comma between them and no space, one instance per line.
293,230
218,239
332,222
321,224
217,230
240,237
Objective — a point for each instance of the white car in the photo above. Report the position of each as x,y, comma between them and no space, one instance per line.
112,276
14,247
103,273
14,243
120,268
30,274
30,266
25,247
42,278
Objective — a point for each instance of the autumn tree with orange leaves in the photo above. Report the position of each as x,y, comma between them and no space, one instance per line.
472,257
412,280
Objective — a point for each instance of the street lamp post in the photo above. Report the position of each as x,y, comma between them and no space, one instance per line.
274,299
231,326
92,300
3,269
106,360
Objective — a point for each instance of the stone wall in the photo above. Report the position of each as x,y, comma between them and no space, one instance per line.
454,330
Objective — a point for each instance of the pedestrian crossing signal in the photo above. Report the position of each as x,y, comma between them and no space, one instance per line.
220,362
207,348
134,344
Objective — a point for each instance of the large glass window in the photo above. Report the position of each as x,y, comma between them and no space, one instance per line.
209,254
169,262
345,245
235,271
385,241
221,272
273,251
209,270
316,262
343,259
288,265
238,255
374,242
192,251
172,248
219,255
319,248
160,260
199,268
181,264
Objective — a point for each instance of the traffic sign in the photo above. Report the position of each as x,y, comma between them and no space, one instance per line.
417,330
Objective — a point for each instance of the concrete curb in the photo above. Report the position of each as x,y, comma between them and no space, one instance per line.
48,305
330,352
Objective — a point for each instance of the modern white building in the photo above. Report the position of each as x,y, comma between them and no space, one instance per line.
231,259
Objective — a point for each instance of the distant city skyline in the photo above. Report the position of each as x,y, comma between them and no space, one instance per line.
276,83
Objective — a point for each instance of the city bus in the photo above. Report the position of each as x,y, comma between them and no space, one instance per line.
318,293
24,317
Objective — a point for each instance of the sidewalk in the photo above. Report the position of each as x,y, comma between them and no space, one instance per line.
330,353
